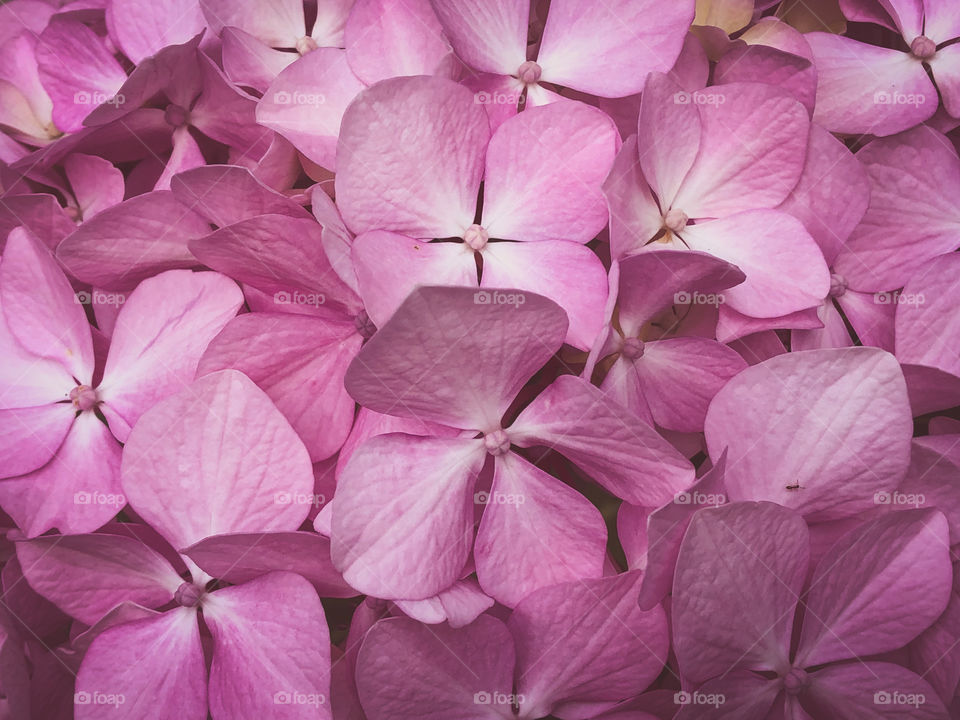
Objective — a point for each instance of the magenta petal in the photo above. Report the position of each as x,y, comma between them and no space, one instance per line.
544,171
409,671
427,136
746,696
536,531
299,362
935,653
845,414
40,307
88,575
586,643
617,449
227,457
142,28
732,557
134,668
501,336
490,37
265,663
400,500
877,588
133,241
160,334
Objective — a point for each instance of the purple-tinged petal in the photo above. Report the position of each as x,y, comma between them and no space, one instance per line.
39,214
96,183
931,389
490,37
400,500
248,62
935,654
734,695
459,605
761,63
870,691
536,531
745,555
142,28
225,455
265,663
932,482
185,155
226,113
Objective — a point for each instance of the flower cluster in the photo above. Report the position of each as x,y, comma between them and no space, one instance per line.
480,359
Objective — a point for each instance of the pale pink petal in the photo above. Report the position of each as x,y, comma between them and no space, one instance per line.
544,172
161,332
184,156
132,241
427,136
845,414
536,531
490,341
410,671
490,37
134,668
568,273
142,29
608,48
614,447
833,334
88,575
278,23
307,100
865,691
761,63
330,25
711,590
927,322
226,452
946,69
877,588
299,362
863,89
265,663
40,308
390,266
932,480
96,183
635,218
586,643
249,62
32,435
459,605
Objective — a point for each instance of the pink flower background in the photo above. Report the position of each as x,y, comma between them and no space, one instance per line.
479,359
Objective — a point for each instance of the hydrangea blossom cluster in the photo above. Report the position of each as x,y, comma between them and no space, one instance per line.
480,359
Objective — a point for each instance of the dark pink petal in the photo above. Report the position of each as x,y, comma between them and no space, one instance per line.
299,361
608,49
490,37
745,696
877,588
226,455
761,63
745,555
134,668
133,241
863,89
32,435
935,654
491,342
427,135
40,308
931,389
401,501
932,480
86,576
39,214
410,671
617,449
226,113
544,172
162,330
459,605
536,531
265,663
586,643
835,422
144,27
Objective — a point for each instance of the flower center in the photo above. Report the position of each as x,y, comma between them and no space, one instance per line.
176,116
188,595
529,72
795,681
306,44
838,285
364,325
923,48
476,237
632,348
497,442
84,397
675,220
